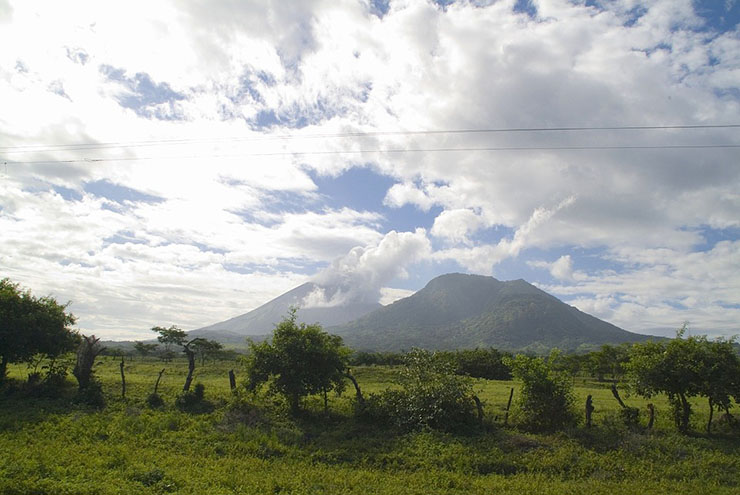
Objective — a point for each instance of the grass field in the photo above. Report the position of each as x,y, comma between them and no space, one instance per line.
51,447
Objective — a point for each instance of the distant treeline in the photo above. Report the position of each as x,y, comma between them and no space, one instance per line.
476,363
605,364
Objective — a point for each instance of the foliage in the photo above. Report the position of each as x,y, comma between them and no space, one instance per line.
431,395
170,336
546,398
608,360
480,363
154,400
300,360
50,447
145,349
205,348
683,368
31,325
88,349
91,395
194,401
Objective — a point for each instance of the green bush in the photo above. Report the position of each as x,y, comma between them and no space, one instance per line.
431,396
91,395
154,401
194,401
546,399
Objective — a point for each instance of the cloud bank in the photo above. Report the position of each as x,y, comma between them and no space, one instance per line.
194,171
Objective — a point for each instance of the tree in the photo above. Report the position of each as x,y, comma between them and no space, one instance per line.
546,398
300,360
608,360
169,337
431,395
31,325
684,368
144,349
204,348
720,376
87,351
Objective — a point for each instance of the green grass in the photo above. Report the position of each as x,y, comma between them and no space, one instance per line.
50,446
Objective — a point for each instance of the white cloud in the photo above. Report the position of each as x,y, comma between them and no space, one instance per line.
561,269
361,274
333,67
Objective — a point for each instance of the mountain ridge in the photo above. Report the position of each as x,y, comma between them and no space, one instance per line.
262,320
465,311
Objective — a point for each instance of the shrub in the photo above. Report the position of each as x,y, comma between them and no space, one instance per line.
546,399
91,395
431,396
194,401
154,401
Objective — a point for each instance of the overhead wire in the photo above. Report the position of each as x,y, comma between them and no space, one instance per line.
382,151
41,148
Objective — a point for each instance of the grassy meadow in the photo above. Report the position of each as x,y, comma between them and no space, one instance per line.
251,445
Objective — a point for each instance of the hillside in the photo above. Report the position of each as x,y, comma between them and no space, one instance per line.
262,320
466,311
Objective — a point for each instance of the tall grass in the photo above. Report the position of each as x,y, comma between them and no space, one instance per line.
250,445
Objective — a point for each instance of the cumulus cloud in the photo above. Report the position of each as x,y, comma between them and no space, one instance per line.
204,106
359,276
483,258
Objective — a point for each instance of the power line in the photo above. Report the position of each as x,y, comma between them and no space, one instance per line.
391,150
187,141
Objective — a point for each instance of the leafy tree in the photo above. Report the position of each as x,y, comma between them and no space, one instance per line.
204,348
482,363
300,360
546,398
144,349
608,360
684,368
31,325
720,376
431,395
169,337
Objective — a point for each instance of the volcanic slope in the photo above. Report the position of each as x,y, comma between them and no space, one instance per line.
458,311
262,321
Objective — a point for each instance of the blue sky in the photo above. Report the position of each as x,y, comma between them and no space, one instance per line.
230,152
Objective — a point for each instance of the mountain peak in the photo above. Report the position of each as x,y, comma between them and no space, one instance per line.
459,310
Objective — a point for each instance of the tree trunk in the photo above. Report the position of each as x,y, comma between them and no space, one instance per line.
711,413
86,354
479,408
156,384
589,410
358,392
3,368
508,406
651,408
685,412
191,368
326,402
615,393
232,380
123,380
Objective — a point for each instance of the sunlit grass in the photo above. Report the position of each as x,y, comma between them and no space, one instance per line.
51,446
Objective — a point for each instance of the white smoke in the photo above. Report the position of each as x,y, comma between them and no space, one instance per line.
359,276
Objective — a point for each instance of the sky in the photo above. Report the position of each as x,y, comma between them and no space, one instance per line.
181,163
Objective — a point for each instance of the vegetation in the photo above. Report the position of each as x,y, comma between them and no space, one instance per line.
546,399
430,395
684,368
246,444
439,440
31,326
300,360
